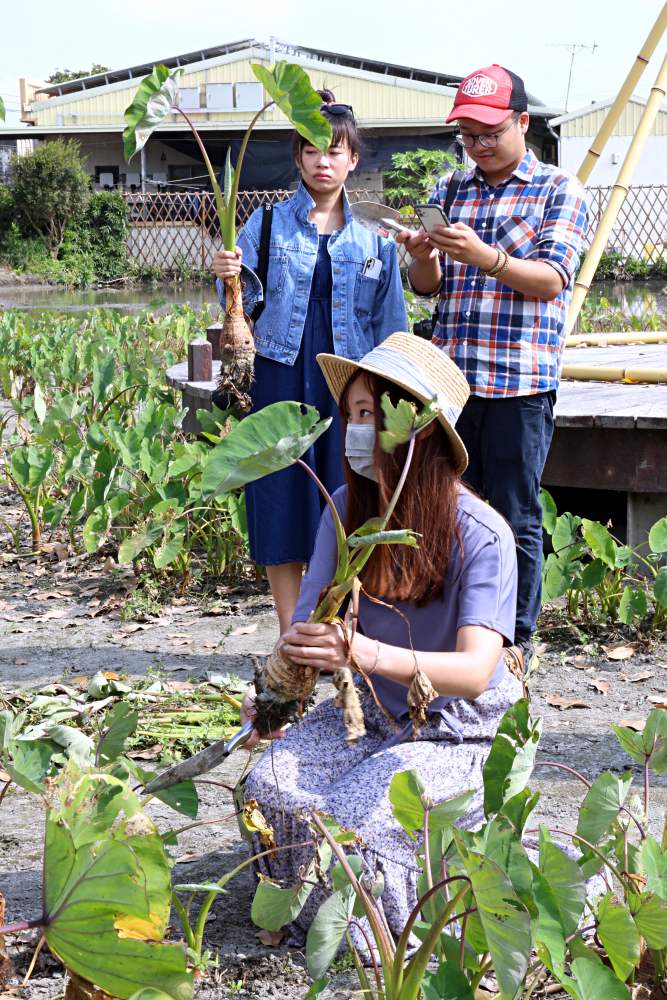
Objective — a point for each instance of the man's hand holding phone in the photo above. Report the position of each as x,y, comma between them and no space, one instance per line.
457,240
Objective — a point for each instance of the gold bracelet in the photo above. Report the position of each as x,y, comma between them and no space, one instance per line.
492,270
504,266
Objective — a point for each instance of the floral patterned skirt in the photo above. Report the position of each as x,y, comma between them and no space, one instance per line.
313,768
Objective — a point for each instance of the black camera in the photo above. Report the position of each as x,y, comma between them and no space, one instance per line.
424,327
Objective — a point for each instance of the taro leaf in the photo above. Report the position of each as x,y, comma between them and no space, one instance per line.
39,404
6,729
141,538
153,101
264,442
288,85
550,942
339,877
30,466
565,532
399,422
596,981
103,373
657,536
119,722
445,813
31,763
509,765
504,919
107,896
170,547
500,843
549,511
601,805
408,796
96,527
559,575
2,110
327,929
633,604
150,993
448,983
227,186
653,863
619,936
654,739
340,834
631,742
651,921
181,797
593,574
660,587
401,536
565,880
601,543
273,906
76,744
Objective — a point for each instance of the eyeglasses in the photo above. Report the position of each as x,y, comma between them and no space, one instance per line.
338,109
488,140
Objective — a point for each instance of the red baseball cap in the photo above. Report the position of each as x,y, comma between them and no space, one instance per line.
488,94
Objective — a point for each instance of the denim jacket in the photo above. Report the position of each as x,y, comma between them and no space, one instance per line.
367,302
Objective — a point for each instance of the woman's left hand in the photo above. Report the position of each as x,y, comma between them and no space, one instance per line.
309,645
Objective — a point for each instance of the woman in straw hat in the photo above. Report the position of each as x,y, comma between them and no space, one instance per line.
445,608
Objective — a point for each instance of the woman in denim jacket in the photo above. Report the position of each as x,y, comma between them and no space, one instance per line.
332,287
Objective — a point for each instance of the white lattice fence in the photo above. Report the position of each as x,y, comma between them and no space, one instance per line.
173,229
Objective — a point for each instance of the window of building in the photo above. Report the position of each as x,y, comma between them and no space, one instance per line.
220,97
248,96
189,98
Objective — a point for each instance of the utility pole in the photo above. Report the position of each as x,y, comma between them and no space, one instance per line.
575,48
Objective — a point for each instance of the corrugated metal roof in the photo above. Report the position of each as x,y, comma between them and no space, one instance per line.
284,48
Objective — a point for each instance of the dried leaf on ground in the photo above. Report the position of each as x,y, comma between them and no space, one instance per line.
3,775
658,700
217,609
50,595
244,629
644,675
636,724
58,549
581,663
179,635
53,615
112,602
270,938
619,652
150,753
564,703
136,627
600,685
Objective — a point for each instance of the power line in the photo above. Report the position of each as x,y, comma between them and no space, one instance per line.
575,48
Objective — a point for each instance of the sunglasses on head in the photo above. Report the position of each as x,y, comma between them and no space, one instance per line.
338,109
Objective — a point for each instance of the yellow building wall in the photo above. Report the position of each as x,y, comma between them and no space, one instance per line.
371,100
589,124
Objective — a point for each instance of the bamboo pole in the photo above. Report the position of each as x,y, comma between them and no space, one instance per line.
614,373
618,194
616,339
624,94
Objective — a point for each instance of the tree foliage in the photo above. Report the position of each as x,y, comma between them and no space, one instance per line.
50,188
63,75
414,173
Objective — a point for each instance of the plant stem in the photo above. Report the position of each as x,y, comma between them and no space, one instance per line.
23,925
237,171
587,783
185,922
591,847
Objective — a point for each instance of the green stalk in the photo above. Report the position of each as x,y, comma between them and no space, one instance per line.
229,231
185,922
217,193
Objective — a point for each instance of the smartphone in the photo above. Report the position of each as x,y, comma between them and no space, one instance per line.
430,216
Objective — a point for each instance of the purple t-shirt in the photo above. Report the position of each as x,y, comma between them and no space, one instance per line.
480,589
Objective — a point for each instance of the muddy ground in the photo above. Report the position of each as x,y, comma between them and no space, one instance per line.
60,618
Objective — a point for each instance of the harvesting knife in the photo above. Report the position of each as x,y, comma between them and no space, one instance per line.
201,762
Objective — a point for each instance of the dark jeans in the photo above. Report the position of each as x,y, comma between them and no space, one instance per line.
508,440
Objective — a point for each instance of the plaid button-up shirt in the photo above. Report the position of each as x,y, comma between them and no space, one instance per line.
507,343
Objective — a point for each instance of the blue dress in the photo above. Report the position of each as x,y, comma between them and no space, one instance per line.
284,508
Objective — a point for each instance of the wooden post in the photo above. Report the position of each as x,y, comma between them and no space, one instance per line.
213,336
200,361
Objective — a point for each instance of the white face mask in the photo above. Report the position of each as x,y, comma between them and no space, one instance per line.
359,448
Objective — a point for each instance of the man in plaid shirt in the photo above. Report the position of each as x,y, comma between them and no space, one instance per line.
504,271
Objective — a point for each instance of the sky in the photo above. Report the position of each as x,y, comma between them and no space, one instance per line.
532,39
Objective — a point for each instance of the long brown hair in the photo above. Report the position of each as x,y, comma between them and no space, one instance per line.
427,504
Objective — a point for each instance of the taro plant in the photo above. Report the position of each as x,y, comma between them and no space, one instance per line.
282,694
503,902
288,87
599,576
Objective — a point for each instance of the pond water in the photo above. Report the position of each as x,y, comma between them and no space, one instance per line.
631,297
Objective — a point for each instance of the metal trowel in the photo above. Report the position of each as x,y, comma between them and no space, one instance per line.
378,218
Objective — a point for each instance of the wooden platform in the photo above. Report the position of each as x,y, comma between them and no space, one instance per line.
608,436
613,435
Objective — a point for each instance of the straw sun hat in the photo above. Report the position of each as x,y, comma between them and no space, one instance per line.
415,365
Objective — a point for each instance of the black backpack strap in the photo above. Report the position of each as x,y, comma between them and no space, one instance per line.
263,258
452,190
